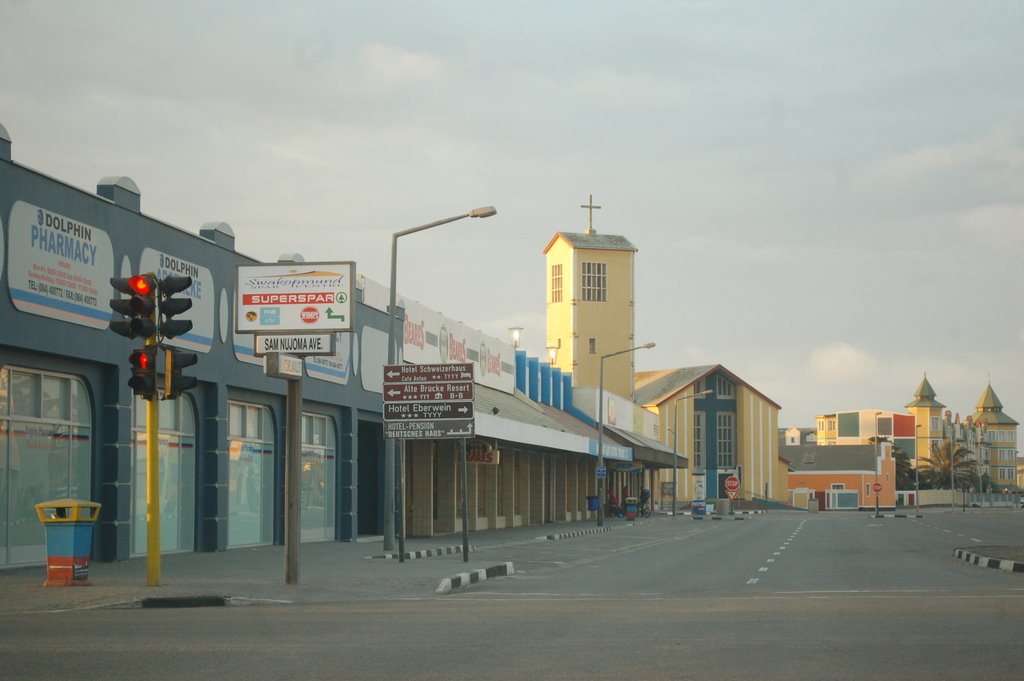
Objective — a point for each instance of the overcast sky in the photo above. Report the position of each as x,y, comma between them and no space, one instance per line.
831,193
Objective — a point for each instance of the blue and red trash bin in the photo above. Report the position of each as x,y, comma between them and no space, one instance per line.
68,524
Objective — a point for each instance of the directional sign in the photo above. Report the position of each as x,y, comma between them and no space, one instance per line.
420,373
418,411
428,401
418,392
429,430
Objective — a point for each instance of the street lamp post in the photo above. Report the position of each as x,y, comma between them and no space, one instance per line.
878,462
600,427
675,444
390,450
917,471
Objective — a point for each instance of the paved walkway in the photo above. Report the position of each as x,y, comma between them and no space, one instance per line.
328,572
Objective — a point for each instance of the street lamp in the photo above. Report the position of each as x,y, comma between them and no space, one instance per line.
675,443
600,427
389,444
878,462
917,470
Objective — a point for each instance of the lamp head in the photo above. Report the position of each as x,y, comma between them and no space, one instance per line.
484,212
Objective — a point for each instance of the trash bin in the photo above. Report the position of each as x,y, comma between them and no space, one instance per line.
68,524
591,503
632,506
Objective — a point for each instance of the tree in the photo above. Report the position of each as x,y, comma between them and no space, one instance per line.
904,471
949,460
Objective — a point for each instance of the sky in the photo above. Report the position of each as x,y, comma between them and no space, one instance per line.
827,197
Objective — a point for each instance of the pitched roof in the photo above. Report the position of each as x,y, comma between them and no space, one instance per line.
654,387
610,242
812,458
925,395
990,410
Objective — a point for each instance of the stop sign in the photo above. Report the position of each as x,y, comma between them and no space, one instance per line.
877,487
732,483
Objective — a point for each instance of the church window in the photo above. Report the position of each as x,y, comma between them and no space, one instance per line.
595,281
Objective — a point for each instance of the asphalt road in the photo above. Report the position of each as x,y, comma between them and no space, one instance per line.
781,596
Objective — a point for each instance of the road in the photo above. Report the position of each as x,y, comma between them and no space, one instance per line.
778,596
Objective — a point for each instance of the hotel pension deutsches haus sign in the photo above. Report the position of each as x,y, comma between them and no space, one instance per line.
302,298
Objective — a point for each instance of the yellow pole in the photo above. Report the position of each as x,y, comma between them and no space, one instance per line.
153,485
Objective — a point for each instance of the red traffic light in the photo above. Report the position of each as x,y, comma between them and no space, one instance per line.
142,284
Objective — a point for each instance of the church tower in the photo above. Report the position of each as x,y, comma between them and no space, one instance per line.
590,306
928,419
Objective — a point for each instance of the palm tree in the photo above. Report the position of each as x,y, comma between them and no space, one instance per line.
948,461
904,471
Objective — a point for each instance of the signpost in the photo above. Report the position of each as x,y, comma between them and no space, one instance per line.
732,485
295,308
429,402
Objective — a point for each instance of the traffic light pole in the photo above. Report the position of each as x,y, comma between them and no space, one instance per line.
152,487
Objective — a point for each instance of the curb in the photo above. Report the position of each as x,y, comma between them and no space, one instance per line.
986,562
464,579
427,553
595,530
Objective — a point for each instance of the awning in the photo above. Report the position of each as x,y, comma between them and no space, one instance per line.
645,450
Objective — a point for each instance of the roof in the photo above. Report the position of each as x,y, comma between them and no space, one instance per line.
608,242
645,449
654,387
925,395
990,409
811,458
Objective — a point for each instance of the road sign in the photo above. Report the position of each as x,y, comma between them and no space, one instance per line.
732,494
419,392
732,483
877,487
427,411
295,344
602,472
428,401
421,373
429,430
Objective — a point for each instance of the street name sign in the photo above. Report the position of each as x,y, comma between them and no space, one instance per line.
293,344
428,401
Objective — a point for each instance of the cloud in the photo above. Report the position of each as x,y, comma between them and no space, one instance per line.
997,152
393,67
1001,225
840,363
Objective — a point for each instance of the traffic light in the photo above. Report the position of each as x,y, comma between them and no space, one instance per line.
170,306
174,383
138,308
143,380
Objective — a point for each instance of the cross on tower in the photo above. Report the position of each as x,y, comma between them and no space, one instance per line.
590,206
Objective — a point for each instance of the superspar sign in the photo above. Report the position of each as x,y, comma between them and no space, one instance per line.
294,298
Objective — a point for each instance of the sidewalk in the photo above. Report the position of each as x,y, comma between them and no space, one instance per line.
328,572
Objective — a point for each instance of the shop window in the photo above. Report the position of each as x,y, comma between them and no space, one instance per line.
45,453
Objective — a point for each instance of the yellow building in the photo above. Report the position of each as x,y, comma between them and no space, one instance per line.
590,307
721,426
998,440
929,420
